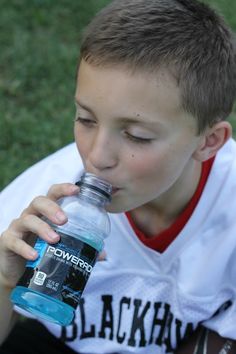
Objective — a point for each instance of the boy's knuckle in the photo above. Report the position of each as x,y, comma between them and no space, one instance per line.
13,223
37,201
34,206
11,243
53,189
26,219
58,190
17,248
4,236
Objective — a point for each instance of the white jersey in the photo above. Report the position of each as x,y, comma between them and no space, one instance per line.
138,300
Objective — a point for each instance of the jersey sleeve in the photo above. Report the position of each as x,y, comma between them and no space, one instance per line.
64,165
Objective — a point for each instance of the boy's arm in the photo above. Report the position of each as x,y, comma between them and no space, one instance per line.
208,342
16,245
8,317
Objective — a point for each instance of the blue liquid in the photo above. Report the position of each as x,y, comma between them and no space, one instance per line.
43,306
47,307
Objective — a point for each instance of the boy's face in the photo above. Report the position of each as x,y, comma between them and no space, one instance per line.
131,131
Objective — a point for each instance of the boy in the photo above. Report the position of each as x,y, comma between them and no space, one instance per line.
156,81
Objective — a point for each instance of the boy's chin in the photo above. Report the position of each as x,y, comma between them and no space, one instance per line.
114,208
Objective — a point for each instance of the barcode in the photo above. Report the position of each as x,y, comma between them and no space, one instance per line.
40,278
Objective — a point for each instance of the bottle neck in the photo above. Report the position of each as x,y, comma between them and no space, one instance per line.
94,189
92,196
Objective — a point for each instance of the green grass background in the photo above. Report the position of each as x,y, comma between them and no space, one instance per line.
39,46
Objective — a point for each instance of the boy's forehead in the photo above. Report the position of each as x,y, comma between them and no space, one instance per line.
122,75
124,82
159,73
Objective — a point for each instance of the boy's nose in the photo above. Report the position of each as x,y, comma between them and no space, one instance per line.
103,153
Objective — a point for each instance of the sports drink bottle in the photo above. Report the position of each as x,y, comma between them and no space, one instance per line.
52,285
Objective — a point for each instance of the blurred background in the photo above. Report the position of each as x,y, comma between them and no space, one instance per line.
39,46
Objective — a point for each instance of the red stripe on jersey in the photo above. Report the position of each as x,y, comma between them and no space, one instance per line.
162,240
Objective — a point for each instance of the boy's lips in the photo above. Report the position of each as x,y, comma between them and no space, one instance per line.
115,189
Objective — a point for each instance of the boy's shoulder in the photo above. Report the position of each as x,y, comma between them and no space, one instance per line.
225,163
58,167
228,150
219,191
64,165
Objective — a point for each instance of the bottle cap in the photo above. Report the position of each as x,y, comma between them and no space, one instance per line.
95,183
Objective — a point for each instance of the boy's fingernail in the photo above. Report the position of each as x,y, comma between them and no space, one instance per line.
74,189
33,253
60,216
53,235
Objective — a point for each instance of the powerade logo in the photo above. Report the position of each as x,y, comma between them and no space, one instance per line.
70,257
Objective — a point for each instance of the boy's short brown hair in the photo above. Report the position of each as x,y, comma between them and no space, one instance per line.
184,36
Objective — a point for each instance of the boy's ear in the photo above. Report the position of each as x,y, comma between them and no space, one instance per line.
212,140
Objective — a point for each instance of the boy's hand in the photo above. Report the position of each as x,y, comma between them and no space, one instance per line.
206,341
16,243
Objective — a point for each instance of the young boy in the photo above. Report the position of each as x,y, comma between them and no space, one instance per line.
156,82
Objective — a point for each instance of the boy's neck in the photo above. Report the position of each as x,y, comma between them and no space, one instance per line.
158,215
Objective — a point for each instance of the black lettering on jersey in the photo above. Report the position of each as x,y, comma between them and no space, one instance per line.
178,325
174,332
159,321
84,333
138,324
124,301
72,329
169,326
129,319
107,317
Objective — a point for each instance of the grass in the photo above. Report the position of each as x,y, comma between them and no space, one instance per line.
39,41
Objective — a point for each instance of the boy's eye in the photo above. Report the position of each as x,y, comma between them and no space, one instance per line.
138,139
85,121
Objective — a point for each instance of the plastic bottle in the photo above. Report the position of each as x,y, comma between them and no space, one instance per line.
52,285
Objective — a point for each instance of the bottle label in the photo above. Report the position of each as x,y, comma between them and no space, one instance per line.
61,270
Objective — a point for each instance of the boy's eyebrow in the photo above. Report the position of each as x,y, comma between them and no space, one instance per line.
137,119
83,106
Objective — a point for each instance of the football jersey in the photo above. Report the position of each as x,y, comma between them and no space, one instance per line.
139,300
